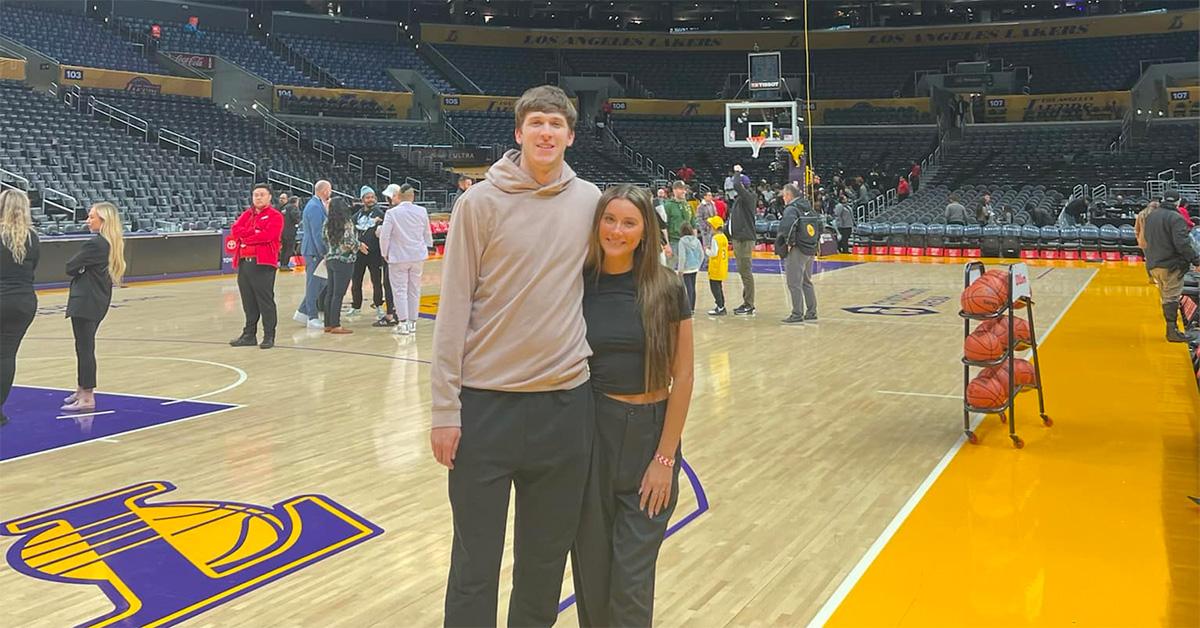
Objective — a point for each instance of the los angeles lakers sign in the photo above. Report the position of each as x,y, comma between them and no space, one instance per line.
162,563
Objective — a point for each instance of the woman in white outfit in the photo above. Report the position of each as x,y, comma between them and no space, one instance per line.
404,241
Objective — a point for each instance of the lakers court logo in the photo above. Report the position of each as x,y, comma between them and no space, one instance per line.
162,563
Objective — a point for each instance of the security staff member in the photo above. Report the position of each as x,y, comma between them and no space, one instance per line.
257,234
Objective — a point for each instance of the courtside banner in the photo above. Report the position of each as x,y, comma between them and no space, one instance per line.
12,69
818,109
993,33
135,82
1057,107
1183,102
469,102
400,102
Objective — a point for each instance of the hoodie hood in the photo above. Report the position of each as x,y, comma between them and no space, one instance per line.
507,175
716,222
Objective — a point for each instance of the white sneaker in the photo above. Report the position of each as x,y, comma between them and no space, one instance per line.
300,317
315,323
351,312
412,327
380,311
402,328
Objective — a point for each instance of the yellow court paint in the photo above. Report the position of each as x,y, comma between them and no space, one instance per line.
1089,525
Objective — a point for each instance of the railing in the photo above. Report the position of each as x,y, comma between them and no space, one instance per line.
180,141
1100,192
7,177
416,184
308,68
132,122
61,201
235,163
52,89
441,197
355,162
1167,175
1194,172
383,173
458,138
295,184
290,132
71,96
325,149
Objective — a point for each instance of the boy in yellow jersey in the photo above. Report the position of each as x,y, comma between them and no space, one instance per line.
718,264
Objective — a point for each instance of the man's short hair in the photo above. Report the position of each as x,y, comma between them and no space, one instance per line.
405,188
953,197
464,178
679,185
792,189
546,99
261,185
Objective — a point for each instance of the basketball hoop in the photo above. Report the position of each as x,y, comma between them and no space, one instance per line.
756,144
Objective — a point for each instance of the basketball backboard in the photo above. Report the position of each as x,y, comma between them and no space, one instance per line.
776,120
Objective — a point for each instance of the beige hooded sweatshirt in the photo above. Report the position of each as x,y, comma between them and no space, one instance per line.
510,315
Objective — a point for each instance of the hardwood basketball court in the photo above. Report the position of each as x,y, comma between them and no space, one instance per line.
805,442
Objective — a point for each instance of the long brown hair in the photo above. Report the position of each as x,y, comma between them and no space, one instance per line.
659,291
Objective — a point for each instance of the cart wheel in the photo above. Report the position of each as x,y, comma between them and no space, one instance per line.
1017,442
972,438
1047,420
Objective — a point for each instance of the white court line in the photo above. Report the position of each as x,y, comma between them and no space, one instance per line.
85,414
108,440
140,429
242,377
860,568
917,394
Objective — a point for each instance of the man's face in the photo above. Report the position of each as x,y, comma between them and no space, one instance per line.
324,193
544,138
662,193
261,197
283,199
680,193
369,200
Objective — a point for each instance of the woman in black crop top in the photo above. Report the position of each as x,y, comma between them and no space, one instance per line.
640,330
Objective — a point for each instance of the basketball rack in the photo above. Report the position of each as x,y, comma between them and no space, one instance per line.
1018,297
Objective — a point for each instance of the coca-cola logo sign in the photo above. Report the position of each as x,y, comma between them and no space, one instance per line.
191,60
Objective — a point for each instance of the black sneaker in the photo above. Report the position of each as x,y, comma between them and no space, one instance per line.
267,343
243,341
385,322
745,310
811,317
717,311
793,320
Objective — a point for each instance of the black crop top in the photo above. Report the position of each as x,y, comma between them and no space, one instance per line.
615,333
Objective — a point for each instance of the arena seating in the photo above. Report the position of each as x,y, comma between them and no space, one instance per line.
57,147
364,64
588,157
243,49
72,39
346,108
501,71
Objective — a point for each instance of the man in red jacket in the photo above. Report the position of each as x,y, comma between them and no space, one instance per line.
256,235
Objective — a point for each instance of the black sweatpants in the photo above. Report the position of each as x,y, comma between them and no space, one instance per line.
541,443
256,282
844,239
287,251
16,314
617,546
85,351
718,292
365,263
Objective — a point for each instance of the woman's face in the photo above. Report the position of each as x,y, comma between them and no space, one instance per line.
94,221
621,229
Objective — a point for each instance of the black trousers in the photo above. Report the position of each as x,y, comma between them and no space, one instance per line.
374,264
85,351
287,251
256,282
335,290
16,314
718,292
541,443
689,284
844,239
617,546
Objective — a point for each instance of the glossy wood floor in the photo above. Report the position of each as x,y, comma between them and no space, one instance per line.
806,439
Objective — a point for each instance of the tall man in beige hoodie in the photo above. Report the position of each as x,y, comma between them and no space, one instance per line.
512,404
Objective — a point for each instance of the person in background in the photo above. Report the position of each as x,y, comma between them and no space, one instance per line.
914,176
94,270
686,174
640,330
341,246
1007,215
843,221
741,224
1039,215
1182,208
955,214
465,183
366,223
718,265
405,239
1169,256
688,260
290,208
796,243
257,232
678,213
705,210
722,207
1075,211
902,189
313,250
19,254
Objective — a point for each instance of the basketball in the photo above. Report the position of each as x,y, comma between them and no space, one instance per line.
986,392
981,298
1023,371
982,347
999,328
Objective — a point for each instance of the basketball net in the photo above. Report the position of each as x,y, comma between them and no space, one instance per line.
756,144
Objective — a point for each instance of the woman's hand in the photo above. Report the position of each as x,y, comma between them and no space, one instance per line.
655,491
